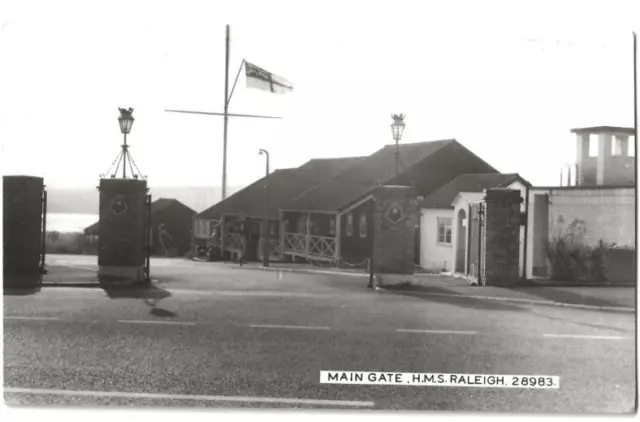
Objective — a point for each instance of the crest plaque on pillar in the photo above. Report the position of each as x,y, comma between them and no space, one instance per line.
395,213
119,205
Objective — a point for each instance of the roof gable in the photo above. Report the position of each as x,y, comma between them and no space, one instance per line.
360,179
444,197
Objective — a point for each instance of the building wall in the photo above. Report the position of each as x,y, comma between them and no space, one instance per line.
432,254
354,249
202,228
608,215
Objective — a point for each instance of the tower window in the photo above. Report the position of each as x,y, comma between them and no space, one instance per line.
593,145
616,146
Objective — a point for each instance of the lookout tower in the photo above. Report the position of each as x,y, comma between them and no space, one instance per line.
605,156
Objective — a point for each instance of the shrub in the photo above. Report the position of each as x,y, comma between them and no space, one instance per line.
570,259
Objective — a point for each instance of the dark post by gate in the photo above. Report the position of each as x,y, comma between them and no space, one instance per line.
149,237
474,258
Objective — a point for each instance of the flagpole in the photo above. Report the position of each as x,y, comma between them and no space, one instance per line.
635,87
235,82
226,117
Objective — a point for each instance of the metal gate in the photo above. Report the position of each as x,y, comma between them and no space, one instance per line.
149,239
474,256
43,252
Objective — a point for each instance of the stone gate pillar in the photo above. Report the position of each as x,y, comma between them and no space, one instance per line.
501,237
123,238
395,215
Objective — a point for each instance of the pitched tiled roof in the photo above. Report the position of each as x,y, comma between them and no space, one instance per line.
92,229
363,177
444,196
162,203
284,185
156,206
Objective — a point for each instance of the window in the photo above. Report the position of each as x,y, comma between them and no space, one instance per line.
332,226
632,146
272,228
444,231
593,145
349,224
363,225
616,146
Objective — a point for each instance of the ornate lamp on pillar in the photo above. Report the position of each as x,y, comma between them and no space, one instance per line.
126,122
125,217
397,129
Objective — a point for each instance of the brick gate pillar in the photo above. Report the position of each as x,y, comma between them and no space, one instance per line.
501,237
395,215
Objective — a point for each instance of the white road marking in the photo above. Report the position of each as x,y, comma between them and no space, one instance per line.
32,318
400,330
294,327
251,293
591,337
127,321
248,399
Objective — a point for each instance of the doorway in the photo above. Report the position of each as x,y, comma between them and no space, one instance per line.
540,234
461,241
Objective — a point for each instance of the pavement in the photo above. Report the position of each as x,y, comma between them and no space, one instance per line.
209,335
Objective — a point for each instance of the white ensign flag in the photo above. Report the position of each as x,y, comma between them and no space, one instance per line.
259,78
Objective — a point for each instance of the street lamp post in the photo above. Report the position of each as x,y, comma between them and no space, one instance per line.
126,121
265,221
397,128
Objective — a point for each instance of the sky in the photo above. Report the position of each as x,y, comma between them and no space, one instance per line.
507,79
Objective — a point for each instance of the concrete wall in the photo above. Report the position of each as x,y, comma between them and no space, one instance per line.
433,255
608,215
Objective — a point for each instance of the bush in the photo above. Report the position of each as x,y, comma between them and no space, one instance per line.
570,259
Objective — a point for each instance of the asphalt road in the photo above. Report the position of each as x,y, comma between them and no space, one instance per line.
224,337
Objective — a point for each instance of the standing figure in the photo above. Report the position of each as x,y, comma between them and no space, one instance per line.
243,245
165,239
